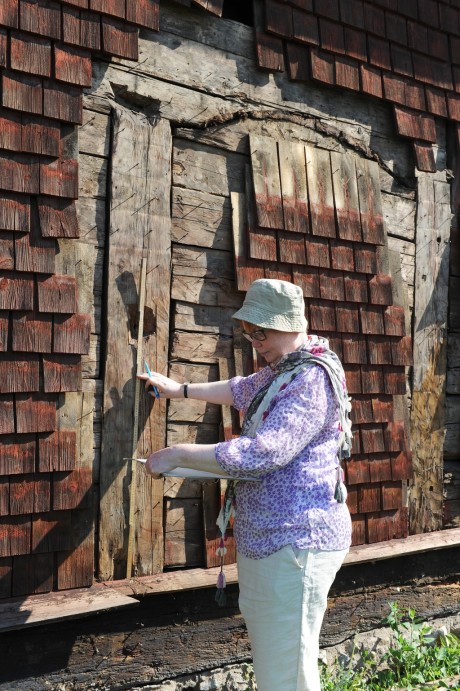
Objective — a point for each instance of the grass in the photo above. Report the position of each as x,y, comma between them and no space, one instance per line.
416,659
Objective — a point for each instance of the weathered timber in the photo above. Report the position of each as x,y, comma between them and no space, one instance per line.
430,332
207,169
94,133
200,218
139,646
199,318
139,226
203,277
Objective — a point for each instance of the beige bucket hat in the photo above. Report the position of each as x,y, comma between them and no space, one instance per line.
274,304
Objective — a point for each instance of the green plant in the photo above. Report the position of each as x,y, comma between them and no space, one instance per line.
415,658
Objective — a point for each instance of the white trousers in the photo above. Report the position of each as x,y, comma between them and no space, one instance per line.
283,598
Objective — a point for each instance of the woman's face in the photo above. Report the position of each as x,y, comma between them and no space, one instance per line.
275,344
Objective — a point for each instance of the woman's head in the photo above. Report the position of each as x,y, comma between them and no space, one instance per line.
273,316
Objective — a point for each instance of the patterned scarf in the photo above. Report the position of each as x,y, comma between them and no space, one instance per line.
316,351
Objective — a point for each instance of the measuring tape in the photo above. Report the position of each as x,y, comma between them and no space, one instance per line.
132,487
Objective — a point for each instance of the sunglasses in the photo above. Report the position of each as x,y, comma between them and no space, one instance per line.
257,335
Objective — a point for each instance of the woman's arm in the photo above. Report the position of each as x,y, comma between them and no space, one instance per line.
218,392
193,456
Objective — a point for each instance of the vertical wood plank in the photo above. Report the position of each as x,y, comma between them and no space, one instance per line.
370,201
320,192
139,226
430,346
267,185
294,186
346,196
247,270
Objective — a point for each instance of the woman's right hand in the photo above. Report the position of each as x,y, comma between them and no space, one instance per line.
166,387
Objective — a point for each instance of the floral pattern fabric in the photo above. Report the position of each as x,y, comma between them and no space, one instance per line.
293,454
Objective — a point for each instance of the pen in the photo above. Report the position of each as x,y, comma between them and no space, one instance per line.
155,390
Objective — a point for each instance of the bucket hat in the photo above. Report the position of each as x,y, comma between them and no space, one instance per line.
274,304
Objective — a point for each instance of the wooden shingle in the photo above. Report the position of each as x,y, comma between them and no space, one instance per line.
371,319
372,379
415,125
43,18
331,286
17,454
270,52
347,316
322,315
58,218
379,350
61,373
14,212
19,375
40,136
394,320
352,499
382,408
59,178
298,59
119,39
394,380
4,496
347,73
401,350
35,413
371,81
424,155
318,252
31,332
361,414
391,495
21,92
369,498
365,259
379,468
308,279
356,45
401,466
262,244
278,18
10,130
145,13
353,378
358,529
380,290
15,535
9,13
35,253
346,197
6,251
372,439
4,330
72,65
57,451
357,471
354,349
72,490
19,173
22,494
305,27
6,414
116,8
30,54
322,67
81,28
62,102
57,294
291,248
395,436
16,291
33,574
342,255
51,532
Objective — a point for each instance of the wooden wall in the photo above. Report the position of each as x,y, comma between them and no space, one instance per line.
211,112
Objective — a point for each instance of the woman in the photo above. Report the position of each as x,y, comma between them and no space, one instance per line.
292,526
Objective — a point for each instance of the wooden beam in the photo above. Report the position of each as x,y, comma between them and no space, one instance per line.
21,613
430,346
139,227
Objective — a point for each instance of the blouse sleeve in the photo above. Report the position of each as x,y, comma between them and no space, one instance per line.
295,418
245,388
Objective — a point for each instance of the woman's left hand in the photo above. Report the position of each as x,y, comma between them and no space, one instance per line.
162,461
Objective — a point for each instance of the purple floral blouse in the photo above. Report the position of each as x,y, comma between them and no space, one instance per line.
294,457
